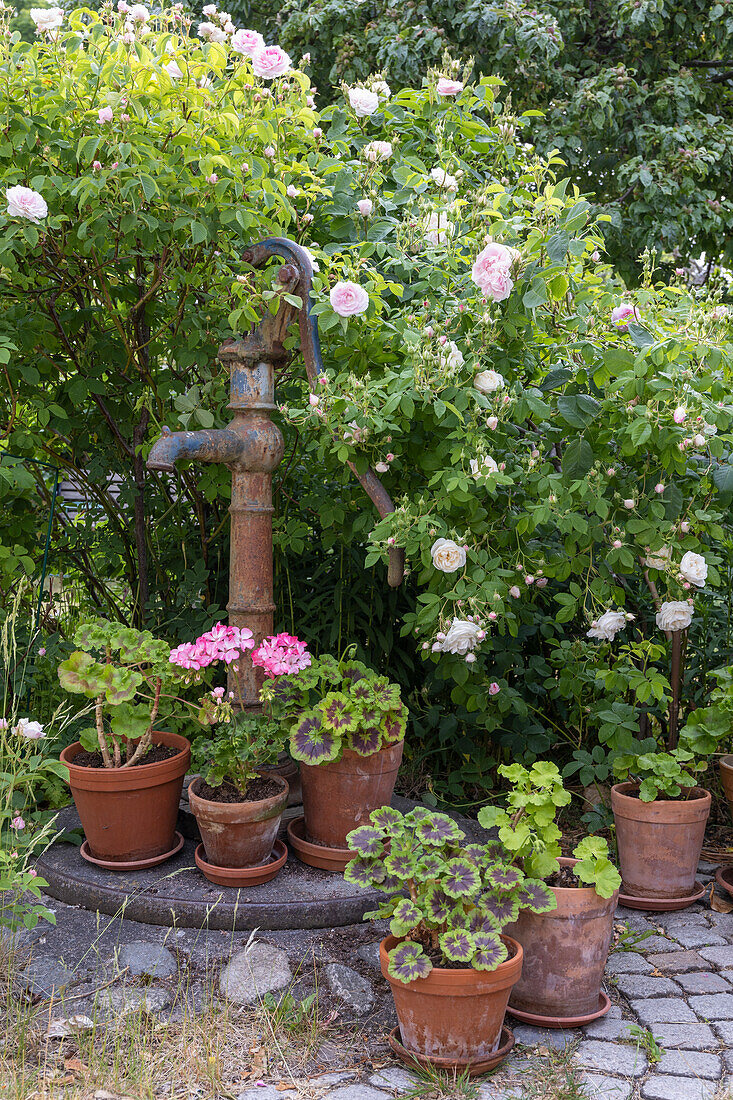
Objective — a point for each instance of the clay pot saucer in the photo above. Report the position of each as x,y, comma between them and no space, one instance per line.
604,1003
724,878
316,855
662,905
243,876
133,864
474,1068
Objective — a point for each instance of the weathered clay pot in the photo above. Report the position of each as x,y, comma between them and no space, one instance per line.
659,843
338,797
239,834
726,777
289,769
565,952
456,1014
129,814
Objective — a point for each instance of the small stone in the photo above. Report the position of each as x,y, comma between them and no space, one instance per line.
611,1058
147,958
720,956
685,1063
677,962
350,987
269,1092
69,1025
250,974
697,937
725,1031
369,953
609,1029
134,999
677,1088
395,1080
713,1006
552,1037
658,943
645,985
685,1036
46,976
606,1088
332,1078
703,983
663,1010
356,1092
627,962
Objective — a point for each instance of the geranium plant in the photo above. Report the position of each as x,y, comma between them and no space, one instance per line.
237,751
334,705
461,895
666,775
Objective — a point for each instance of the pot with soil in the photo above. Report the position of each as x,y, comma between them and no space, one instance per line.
659,844
239,828
340,796
565,954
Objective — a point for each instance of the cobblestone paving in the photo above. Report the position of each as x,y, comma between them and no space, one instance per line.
673,980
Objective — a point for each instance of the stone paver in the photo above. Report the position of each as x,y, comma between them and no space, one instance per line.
609,1029
685,1036
356,1092
725,1032
721,956
552,1037
43,976
713,1006
627,962
697,982
679,962
606,1088
350,987
695,936
688,1063
267,1092
658,944
149,959
396,1081
369,953
611,1058
663,1010
677,1088
250,974
646,985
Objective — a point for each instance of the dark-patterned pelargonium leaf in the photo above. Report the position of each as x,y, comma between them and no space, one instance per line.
365,742
394,727
457,945
337,712
536,896
405,917
387,819
503,907
354,671
364,872
437,905
366,840
490,951
437,829
504,877
478,921
385,694
407,962
428,867
311,742
401,864
460,879
361,692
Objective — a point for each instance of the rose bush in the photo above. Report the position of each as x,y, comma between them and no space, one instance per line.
529,442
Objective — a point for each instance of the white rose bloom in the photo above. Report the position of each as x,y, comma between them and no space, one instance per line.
694,569
452,356
382,88
674,615
447,555
484,468
443,179
607,627
363,102
23,202
378,150
30,730
139,13
462,637
489,381
659,559
47,19
211,33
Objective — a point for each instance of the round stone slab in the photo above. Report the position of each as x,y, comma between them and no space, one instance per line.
177,894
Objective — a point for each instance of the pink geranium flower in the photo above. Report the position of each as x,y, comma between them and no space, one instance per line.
281,654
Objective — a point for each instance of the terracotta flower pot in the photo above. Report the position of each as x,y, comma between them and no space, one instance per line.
725,765
456,1014
659,843
289,769
565,952
129,814
338,797
239,834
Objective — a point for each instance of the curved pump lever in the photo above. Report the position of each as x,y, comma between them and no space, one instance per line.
310,345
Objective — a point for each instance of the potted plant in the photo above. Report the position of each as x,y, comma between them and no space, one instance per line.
125,773
707,726
347,727
565,949
238,805
449,965
660,815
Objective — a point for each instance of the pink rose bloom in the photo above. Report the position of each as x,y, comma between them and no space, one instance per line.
494,688
25,203
246,42
123,7
621,315
365,207
270,61
97,165
269,152
104,115
514,591
491,271
348,298
17,823
680,414
42,651
493,422
213,178
446,87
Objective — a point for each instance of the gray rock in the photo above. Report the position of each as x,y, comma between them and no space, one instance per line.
633,919
369,953
550,1037
678,962
395,1080
147,958
677,1088
713,1006
124,1000
697,937
611,1058
43,976
609,1029
627,962
494,1090
703,983
663,1010
720,956
658,943
725,1031
269,1092
685,1036
356,1092
606,1088
250,974
332,1078
645,985
350,987
686,1063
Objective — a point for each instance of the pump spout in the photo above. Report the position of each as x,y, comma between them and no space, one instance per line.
210,445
